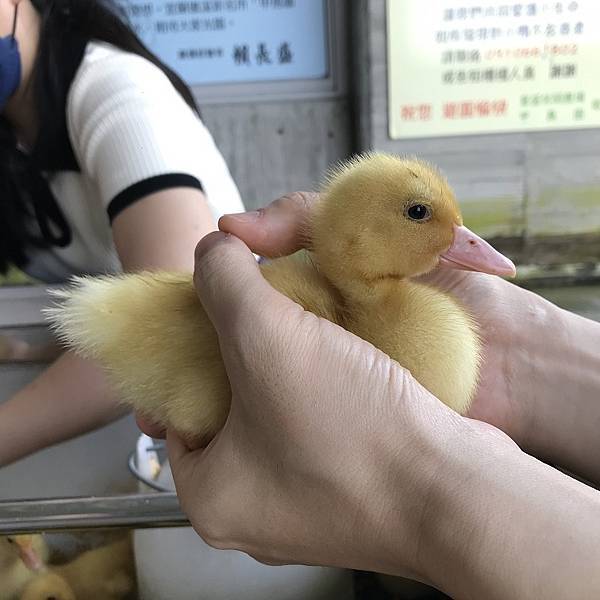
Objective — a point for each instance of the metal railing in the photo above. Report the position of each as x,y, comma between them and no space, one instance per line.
136,511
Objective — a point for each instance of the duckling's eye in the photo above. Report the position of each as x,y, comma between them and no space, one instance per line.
418,212
10,540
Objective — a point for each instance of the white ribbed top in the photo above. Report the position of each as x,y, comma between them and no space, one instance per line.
127,124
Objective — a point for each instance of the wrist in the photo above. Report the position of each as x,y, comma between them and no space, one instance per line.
500,523
526,353
425,469
563,392
457,504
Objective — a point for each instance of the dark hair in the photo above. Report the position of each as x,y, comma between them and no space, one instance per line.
66,27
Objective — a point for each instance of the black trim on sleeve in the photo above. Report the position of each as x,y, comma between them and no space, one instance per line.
149,186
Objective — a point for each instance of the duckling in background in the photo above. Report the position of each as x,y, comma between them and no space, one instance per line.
104,573
21,558
47,586
382,219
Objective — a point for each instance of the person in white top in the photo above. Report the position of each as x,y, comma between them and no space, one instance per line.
105,166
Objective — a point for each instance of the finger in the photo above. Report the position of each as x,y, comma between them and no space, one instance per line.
229,283
282,228
151,429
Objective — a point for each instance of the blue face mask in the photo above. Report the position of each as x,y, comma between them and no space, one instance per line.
10,65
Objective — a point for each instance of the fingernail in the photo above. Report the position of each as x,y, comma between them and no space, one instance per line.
209,240
245,217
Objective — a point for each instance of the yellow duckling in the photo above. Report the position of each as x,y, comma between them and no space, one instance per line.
382,219
104,573
48,585
21,558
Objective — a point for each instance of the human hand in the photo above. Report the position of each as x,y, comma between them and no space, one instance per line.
324,430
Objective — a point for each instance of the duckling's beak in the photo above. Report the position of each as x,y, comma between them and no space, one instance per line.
469,252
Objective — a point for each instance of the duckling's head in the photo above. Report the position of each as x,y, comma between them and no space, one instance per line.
48,586
383,218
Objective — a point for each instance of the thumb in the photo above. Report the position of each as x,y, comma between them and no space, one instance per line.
229,283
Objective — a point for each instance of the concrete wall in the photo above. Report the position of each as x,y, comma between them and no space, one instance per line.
279,147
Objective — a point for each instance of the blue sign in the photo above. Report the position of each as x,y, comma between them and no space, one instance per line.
234,41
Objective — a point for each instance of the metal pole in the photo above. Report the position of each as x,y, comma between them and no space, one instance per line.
136,511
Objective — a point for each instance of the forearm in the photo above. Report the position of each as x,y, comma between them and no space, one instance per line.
497,523
68,399
560,370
